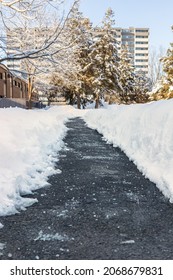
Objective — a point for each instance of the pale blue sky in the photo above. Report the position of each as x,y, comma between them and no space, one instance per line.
154,14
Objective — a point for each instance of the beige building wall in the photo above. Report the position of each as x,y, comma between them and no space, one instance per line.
137,40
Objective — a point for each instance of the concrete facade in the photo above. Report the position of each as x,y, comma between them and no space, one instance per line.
137,41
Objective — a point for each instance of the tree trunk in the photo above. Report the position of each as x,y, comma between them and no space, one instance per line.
78,101
29,93
97,101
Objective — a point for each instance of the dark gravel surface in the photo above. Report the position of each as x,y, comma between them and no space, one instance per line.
99,207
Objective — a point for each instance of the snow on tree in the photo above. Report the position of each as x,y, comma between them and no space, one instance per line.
168,70
164,88
126,77
141,87
74,77
81,30
20,14
168,65
155,66
36,43
104,59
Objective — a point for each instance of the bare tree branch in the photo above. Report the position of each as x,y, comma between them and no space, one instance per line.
47,47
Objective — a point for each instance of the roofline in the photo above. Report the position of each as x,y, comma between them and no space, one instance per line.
12,72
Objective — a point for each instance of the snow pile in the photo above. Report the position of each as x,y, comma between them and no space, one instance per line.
30,140
145,133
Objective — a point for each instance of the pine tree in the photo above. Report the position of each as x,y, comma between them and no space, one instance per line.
141,87
167,88
104,58
168,65
126,75
82,59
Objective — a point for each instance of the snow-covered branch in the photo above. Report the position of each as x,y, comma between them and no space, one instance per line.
41,33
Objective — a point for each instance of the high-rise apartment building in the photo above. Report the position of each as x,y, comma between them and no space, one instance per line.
137,41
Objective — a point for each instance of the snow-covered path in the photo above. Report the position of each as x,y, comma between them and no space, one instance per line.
99,207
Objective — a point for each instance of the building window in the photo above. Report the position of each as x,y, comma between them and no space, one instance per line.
142,43
141,66
141,54
15,83
141,36
141,30
142,49
125,30
127,36
127,43
1,76
141,60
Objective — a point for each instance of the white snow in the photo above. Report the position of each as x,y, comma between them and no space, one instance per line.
145,133
30,140
128,242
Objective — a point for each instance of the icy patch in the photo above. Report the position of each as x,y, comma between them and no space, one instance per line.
50,237
126,182
2,246
63,213
72,204
111,214
102,171
97,157
133,197
128,242
64,250
59,212
1,226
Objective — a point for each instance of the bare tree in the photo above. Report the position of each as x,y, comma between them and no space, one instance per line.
155,65
33,36
71,72
17,15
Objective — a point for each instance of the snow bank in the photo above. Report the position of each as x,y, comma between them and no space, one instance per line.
30,140
145,133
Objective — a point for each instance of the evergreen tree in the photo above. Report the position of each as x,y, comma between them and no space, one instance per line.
168,65
104,59
167,88
82,59
141,87
126,75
